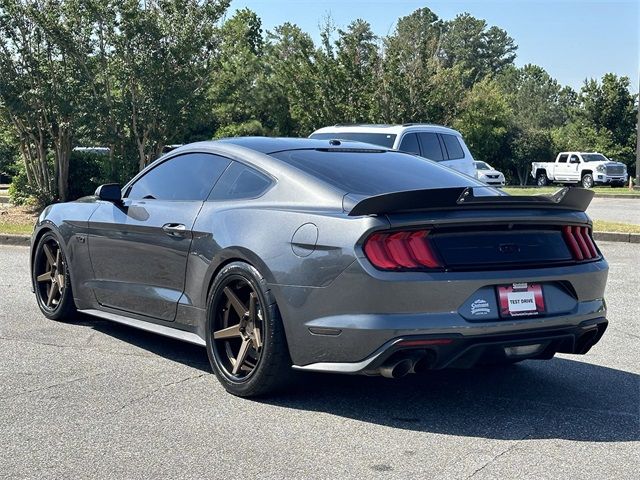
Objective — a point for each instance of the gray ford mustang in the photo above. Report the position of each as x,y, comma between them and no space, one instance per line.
325,255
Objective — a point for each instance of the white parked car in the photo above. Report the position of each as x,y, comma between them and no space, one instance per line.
489,175
435,142
589,169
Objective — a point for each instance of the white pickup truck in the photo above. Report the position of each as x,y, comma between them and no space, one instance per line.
588,169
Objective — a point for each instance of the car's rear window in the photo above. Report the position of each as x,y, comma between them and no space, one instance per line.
374,173
383,139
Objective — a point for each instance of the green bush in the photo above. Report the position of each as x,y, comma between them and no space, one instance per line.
21,193
245,129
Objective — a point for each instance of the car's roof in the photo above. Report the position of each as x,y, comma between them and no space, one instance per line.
389,129
270,145
579,152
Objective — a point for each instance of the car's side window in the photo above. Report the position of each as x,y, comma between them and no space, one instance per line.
186,177
430,146
452,144
574,159
563,158
409,144
240,181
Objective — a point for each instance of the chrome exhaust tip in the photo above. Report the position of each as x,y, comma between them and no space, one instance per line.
424,363
396,369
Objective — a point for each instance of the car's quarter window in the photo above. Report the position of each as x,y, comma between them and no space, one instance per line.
373,173
190,176
452,144
383,139
240,181
410,144
430,146
563,158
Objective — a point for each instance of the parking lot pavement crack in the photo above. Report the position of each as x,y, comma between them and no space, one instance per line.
154,391
48,387
496,457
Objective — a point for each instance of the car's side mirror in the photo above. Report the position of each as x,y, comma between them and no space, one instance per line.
109,192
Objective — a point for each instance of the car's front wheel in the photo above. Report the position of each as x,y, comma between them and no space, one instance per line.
51,279
246,343
587,180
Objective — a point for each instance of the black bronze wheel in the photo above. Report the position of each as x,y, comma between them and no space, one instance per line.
51,278
245,341
237,334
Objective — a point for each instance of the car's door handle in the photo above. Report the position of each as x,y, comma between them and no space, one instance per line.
174,229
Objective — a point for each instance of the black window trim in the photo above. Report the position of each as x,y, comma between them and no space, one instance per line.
165,158
445,149
271,178
406,134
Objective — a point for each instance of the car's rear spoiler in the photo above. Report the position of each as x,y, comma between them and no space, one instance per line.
463,197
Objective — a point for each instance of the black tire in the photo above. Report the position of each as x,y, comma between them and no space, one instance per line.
270,363
587,180
542,179
63,307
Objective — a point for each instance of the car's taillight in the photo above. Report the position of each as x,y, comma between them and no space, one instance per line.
401,250
580,242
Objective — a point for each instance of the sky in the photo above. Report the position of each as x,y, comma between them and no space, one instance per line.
571,39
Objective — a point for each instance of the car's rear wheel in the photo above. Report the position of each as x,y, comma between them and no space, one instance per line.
51,279
542,179
246,343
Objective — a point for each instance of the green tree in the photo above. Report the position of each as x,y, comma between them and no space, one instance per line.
357,61
529,145
480,51
409,64
163,54
609,105
43,76
485,120
237,70
537,100
291,81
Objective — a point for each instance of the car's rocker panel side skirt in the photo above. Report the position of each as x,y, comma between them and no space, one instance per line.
167,331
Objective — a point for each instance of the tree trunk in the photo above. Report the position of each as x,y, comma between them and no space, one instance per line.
63,155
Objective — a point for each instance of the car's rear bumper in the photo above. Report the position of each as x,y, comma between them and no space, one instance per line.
361,311
442,350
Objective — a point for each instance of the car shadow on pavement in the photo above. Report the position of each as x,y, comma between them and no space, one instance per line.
557,399
174,350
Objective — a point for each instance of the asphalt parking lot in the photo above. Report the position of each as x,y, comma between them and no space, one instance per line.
93,399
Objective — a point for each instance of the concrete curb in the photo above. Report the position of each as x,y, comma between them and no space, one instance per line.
9,239
606,195
617,237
